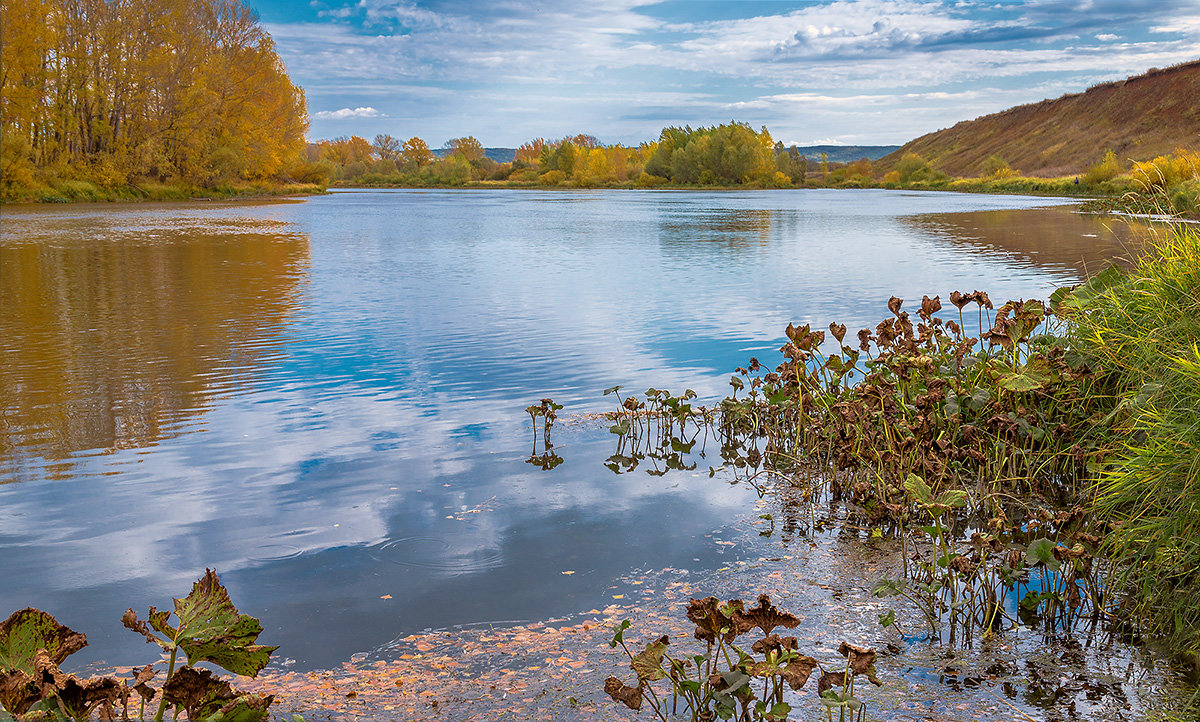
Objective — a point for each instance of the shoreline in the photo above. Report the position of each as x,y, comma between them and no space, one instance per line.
89,193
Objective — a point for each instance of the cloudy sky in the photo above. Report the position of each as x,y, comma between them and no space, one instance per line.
847,71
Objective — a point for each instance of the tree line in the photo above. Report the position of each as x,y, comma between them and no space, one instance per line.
120,92
732,154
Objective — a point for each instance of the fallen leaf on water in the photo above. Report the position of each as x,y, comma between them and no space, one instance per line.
386,596
568,572
618,596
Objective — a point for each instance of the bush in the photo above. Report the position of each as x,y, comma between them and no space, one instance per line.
552,178
646,180
1105,170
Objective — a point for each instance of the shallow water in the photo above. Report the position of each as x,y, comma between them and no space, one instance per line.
324,399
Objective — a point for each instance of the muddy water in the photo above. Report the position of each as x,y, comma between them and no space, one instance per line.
324,399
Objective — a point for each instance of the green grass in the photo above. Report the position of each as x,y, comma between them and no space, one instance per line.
81,191
1146,333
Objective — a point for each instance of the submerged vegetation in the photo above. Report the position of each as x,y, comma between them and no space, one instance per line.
1042,453
106,100
712,685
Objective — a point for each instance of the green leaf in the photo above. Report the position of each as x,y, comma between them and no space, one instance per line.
29,630
1042,552
648,662
918,490
612,390
887,619
619,633
954,498
211,629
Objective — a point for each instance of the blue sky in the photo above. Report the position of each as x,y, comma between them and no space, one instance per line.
845,71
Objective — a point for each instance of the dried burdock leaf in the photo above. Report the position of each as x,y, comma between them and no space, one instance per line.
829,680
774,643
838,330
930,306
22,636
982,299
959,300
765,616
131,621
631,697
18,691
894,304
862,661
79,698
798,670
202,695
141,677
28,631
648,662
864,339
710,620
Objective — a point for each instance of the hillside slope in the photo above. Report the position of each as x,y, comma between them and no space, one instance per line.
1137,118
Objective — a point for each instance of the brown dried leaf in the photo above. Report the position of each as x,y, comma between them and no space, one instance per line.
862,661
829,680
131,621
798,670
894,304
78,698
774,643
631,697
706,614
765,616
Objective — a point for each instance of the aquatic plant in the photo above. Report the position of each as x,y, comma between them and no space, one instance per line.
727,681
208,629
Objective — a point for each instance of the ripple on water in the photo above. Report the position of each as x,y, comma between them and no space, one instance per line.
433,553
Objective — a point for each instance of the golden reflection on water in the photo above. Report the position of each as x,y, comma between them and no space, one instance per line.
109,342
1046,237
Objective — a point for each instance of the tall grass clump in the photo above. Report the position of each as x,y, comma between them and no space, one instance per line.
1146,330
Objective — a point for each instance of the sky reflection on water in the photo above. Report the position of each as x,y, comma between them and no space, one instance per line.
312,396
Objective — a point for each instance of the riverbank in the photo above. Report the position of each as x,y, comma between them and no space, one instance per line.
87,192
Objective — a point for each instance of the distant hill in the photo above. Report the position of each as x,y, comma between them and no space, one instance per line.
1137,118
846,153
500,155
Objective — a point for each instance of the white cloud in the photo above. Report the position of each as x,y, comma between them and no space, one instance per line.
342,114
1107,37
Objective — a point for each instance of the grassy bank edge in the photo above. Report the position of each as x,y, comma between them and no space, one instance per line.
86,192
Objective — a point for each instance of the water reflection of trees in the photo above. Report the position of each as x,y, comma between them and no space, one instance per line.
108,343
1055,236
733,229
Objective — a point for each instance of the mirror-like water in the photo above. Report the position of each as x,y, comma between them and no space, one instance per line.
324,399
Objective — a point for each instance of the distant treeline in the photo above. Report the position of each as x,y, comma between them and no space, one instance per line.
124,93
732,154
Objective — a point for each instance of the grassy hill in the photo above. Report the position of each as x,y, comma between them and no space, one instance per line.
1138,118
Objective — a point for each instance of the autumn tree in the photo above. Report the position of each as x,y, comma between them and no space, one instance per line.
387,147
416,153
170,90
468,147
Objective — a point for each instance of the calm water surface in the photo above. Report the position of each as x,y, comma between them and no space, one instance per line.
323,399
